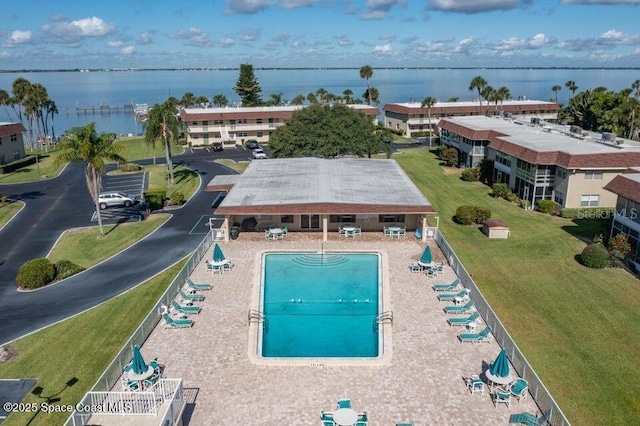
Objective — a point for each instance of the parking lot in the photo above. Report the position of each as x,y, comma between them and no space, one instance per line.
133,184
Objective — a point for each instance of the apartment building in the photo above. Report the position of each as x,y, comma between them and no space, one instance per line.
11,142
626,218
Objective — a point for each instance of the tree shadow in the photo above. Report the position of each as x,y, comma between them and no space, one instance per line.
181,175
31,195
49,399
586,229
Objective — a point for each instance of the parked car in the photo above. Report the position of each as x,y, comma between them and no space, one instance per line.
259,154
252,144
110,199
217,146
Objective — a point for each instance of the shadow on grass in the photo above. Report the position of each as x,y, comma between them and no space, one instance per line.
50,399
586,229
181,175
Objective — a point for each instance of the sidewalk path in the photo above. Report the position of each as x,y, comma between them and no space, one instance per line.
58,204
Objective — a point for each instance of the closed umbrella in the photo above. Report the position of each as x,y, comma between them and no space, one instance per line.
500,366
138,365
426,256
218,256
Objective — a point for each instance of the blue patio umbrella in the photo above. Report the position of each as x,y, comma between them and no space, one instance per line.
138,365
426,256
218,256
500,366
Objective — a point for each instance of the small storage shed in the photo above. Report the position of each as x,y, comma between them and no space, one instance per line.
495,229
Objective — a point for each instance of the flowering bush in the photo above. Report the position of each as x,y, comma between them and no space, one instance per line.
619,246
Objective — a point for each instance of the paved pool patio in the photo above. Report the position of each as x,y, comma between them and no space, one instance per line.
422,384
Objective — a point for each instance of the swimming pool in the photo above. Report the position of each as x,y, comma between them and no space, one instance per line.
320,305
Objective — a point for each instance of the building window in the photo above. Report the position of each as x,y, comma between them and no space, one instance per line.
1,158
390,218
243,134
561,173
242,121
345,218
259,134
288,218
593,175
259,121
558,197
589,201
14,137
218,122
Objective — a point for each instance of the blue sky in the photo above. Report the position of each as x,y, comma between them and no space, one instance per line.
315,33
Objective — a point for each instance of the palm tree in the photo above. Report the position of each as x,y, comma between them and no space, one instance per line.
372,95
5,101
187,100
555,89
478,83
571,85
635,86
489,94
347,96
84,145
202,101
163,125
503,94
220,100
298,100
366,72
428,102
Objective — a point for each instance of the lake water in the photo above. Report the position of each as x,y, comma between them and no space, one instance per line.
80,89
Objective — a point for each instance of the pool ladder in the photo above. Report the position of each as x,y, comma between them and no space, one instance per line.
384,317
255,316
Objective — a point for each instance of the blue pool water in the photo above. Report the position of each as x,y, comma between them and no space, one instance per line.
320,305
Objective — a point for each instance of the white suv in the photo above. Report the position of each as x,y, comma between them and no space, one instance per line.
259,154
108,199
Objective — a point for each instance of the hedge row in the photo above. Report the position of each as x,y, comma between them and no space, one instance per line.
37,273
18,164
467,215
588,213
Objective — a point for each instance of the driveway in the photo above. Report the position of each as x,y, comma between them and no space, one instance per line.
61,203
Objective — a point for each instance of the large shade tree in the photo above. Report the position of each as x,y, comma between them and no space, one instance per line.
84,145
162,126
247,87
326,131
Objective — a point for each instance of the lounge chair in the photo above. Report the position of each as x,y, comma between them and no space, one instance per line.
327,418
501,397
197,286
448,286
344,403
530,419
474,384
452,296
176,323
476,337
519,389
190,297
185,309
459,309
461,321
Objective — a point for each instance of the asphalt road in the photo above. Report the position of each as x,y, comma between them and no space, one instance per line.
61,203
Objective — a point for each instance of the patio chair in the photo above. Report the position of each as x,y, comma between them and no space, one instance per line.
519,389
159,368
474,384
476,337
415,267
197,286
284,230
151,380
530,419
176,323
327,418
501,397
431,273
459,309
462,321
387,231
190,297
363,418
440,268
184,309
344,403
451,296
447,286
129,385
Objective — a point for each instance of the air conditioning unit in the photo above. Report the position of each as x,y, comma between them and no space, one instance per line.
575,129
608,136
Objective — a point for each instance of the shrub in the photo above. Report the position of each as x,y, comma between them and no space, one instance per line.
18,164
525,204
482,214
467,215
177,198
595,256
65,269
450,156
619,246
500,190
546,206
470,175
36,273
130,167
587,213
155,199
511,197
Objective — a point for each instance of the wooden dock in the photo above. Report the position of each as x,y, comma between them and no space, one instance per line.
105,109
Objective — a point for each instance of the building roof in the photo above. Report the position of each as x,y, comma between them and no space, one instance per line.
321,186
209,114
222,183
8,129
467,107
626,185
547,144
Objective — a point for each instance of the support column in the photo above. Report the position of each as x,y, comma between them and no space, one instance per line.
424,228
325,230
225,227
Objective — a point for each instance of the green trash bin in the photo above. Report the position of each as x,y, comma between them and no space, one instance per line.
235,231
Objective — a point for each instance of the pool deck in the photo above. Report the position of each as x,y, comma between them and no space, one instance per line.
422,384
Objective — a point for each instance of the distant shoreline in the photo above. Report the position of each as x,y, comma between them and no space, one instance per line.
303,69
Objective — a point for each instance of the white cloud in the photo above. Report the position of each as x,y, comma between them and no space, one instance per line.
472,6
343,40
193,37
605,40
246,6
226,42
378,9
249,36
18,37
144,38
384,48
600,1
115,43
538,41
294,4
129,50
88,27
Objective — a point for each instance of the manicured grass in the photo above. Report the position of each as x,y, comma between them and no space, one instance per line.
184,180
86,247
138,149
576,326
9,210
237,166
46,163
81,348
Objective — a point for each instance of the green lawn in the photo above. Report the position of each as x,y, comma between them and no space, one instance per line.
80,348
9,210
138,149
237,166
576,326
86,247
46,164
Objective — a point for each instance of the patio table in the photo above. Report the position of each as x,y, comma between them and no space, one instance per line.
142,376
497,381
345,417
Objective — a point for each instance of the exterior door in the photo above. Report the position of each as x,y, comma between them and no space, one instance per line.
310,221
